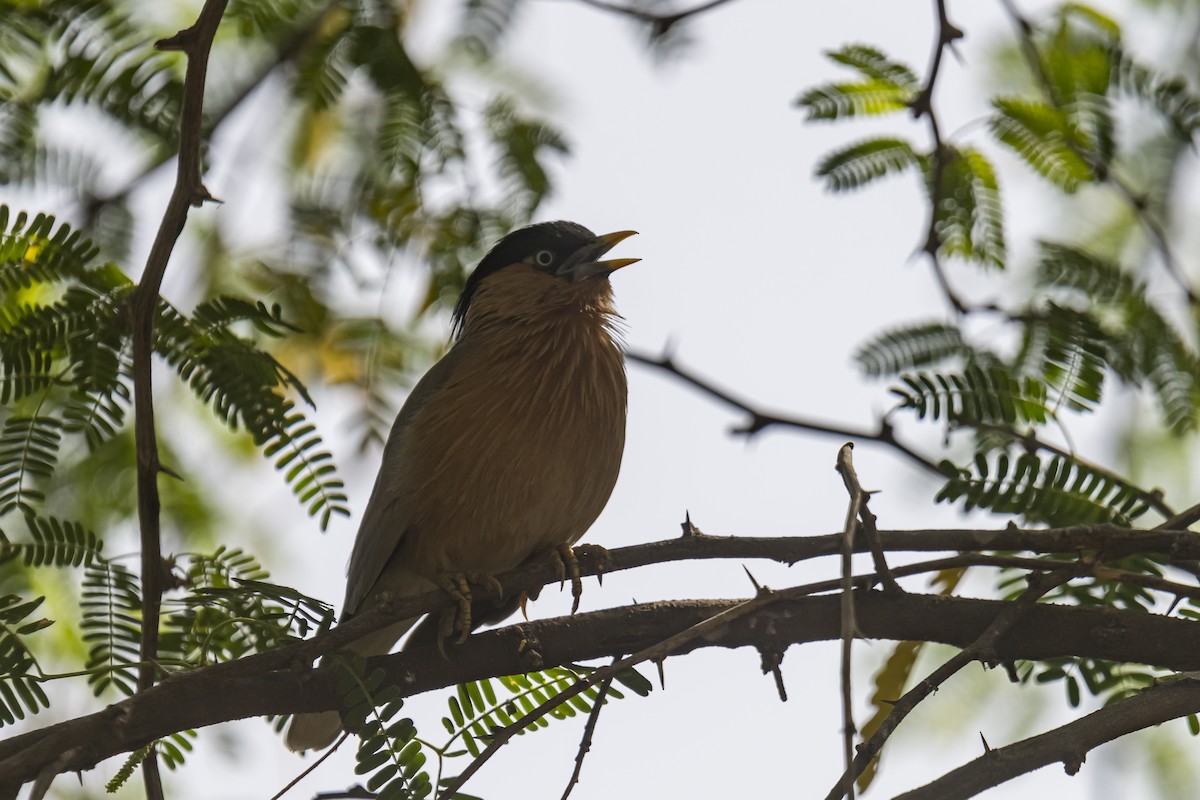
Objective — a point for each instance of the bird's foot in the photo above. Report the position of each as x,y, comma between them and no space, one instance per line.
457,619
566,565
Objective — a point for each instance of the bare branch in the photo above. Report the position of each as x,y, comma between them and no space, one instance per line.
1068,744
760,420
589,729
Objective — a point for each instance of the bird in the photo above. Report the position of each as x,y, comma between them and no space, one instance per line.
508,448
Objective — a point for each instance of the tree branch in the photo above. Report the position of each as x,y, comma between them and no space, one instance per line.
922,106
1068,744
195,42
982,648
760,420
281,681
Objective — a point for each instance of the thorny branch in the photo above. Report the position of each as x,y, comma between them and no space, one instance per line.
922,106
195,42
1068,744
279,681
982,649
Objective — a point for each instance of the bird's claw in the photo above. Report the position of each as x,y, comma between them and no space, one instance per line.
566,565
458,619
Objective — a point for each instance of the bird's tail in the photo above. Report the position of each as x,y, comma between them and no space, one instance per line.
318,730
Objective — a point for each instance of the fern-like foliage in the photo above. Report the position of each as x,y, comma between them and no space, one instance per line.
54,543
1069,352
1058,491
231,610
857,165
969,219
69,358
112,626
20,692
884,86
388,749
974,395
1176,102
246,388
1041,135
476,709
1132,336
913,346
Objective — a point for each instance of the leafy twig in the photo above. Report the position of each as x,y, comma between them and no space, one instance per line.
1137,203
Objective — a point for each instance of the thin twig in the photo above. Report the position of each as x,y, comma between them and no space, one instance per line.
848,630
1181,521
922,106
760,420
656,652
195,42
845,466
289,50
311,767
585,744
981,649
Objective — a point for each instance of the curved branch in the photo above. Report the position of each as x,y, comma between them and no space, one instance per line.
1068,744
760,420
211,696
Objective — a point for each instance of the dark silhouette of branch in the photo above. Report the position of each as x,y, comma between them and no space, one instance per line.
281,681
589,730
761,420
1068,744
225,692
983,648
922,106
195,42
660,24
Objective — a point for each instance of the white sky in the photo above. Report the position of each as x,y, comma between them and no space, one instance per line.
765,284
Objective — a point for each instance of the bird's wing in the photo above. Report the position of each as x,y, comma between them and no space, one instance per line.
385,519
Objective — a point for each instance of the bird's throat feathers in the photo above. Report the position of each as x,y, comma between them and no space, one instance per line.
525,304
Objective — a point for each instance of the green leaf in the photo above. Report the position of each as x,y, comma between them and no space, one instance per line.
917,345
858,164
1039,134
976,395
969,219
1056,492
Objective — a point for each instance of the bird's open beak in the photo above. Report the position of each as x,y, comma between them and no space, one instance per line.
584,264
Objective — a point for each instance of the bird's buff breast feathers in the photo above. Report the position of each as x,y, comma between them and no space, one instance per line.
529,433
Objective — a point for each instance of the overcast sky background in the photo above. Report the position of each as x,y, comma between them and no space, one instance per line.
765,284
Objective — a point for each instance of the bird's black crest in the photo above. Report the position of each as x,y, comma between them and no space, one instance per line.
560,237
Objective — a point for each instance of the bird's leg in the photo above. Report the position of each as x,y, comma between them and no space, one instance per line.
458,619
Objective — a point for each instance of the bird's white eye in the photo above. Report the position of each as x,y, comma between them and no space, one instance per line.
544,258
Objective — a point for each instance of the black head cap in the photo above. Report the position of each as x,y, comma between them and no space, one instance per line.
561,238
